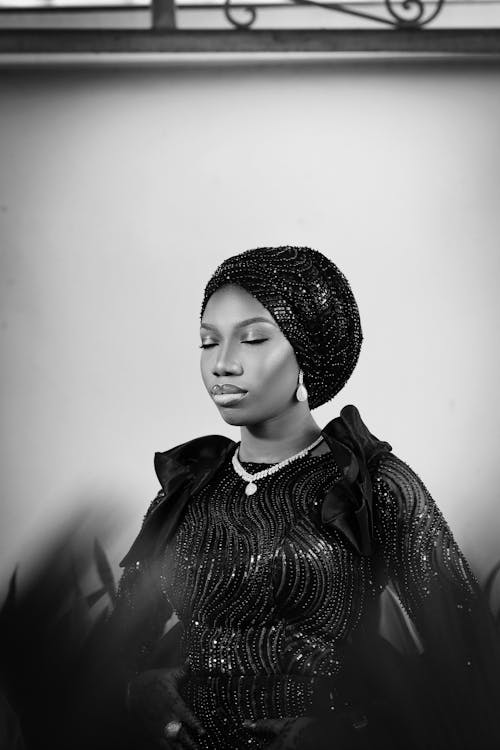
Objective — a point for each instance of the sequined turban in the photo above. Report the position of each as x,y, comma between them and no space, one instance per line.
311,301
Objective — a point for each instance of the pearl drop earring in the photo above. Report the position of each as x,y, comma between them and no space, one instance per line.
301,392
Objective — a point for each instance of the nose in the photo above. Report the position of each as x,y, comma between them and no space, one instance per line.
226,363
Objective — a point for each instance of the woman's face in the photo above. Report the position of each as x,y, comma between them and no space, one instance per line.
252,355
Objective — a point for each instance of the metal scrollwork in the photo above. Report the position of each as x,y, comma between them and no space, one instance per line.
410,14
402,14
229,12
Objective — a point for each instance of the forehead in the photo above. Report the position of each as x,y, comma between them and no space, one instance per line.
232,302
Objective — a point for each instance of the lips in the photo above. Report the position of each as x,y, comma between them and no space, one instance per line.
226,388
227,394
229,399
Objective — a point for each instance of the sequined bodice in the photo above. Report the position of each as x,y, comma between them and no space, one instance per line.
273,589
262,588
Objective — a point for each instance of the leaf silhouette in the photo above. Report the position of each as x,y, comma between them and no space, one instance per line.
95,596
104,570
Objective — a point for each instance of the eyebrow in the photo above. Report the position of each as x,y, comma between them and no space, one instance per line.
242,323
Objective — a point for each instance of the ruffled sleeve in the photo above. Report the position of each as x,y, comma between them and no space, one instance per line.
347,504
436,587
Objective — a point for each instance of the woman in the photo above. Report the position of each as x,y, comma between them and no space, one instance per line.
274,552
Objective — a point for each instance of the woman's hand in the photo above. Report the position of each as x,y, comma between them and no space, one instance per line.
290,733
155,701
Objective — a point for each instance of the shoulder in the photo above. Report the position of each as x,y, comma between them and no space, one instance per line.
396,473
200,447
350,430
180,471
186,462
399,489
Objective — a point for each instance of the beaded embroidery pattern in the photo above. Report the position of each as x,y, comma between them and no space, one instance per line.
266,595
269,597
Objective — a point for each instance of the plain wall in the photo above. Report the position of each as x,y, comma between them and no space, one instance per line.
122,188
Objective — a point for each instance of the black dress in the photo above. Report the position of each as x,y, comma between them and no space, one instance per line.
282,597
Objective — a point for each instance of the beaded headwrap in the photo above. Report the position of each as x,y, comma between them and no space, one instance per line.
312,303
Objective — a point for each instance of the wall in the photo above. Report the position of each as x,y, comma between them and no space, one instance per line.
122,188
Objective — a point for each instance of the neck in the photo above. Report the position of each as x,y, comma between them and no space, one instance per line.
279,437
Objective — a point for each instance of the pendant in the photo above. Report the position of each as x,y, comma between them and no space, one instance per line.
301,393
250,488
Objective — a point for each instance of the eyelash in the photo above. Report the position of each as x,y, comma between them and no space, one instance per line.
255,341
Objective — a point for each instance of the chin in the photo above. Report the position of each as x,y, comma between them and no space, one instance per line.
232,417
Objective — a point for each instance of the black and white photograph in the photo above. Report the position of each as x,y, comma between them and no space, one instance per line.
249,268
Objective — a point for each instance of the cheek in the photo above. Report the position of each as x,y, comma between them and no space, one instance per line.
279,369
204,369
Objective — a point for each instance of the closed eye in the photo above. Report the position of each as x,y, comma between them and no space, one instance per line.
255,341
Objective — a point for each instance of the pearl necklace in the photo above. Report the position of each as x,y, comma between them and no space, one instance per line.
252,478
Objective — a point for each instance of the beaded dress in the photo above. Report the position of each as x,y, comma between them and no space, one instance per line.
253,577
271,597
